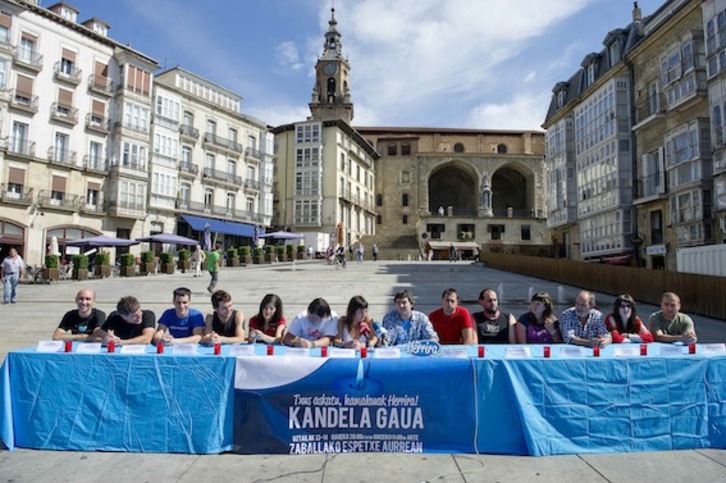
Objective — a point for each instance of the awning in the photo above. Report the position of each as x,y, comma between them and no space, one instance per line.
198,223
618,260
459,245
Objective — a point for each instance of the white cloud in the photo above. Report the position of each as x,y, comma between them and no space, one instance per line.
524,111
288,56
530,77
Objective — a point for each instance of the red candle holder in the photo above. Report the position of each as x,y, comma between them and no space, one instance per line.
69,346
643,349
111,346
546,351
324,351
270,350
481,351
363,352
160,348
596,351
217,349
692,348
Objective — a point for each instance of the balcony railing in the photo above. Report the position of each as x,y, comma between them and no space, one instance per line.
28,59
512,213
93,163
62,156
64,202
165,122
222,176
651,185
132,127
21,147
252,183
24,101
224,211
137,167
25,197
252,152
72,75
100,84
127,208
189,168
63,113
189,131
223,142
653,105
347,195
97,123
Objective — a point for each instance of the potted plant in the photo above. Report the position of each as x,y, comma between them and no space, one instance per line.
128,264
244,255
232,257
167,262
185,260
301,252
280,251
257,255
80,267
269,253
102,264
52,272
290,249
147,262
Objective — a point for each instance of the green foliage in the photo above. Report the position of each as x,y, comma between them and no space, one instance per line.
51,261
290,248
301,248
269,248
147,257
185,254
102,258
280,250
127,259
244,251
257,251
80,262
166,258
232,253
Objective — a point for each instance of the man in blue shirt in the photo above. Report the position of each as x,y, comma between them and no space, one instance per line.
583,324
405,324
182,324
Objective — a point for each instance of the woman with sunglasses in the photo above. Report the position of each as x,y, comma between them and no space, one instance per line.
624,324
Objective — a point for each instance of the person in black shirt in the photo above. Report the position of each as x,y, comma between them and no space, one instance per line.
127,325
79,324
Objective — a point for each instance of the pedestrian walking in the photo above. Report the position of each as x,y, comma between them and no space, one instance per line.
13,267
374,251
198,260
213,264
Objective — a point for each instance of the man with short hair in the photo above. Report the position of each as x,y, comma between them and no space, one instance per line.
404,324
225,325
315,327
182,324
12,271
79,324
452,322
492,325
213,264
669,324
127,325
583,324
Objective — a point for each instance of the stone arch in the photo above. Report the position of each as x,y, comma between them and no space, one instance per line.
513,187
454,184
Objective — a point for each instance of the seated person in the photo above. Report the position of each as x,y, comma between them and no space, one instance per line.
315,327
127,325
79,324
182,324
492,325
451,322
539,325
624,324
404,325
225,325
355,328
583,324
268,326
669,325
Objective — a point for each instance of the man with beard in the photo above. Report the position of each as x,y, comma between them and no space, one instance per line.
492,325
80,323
583,324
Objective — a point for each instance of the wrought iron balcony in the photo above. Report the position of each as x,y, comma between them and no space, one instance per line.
93,163
59,201
62,156
223,142
100,124
24,197
28,58
189,132
100,85
21,147
24,101
72,75
189,168
222,176
62,113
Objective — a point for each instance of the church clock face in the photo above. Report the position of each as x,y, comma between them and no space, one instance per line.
331,68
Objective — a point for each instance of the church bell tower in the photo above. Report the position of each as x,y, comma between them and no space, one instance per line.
331,92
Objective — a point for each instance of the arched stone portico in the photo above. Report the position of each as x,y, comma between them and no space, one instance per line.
453,185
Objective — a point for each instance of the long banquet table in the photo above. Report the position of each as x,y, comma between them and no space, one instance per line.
301,405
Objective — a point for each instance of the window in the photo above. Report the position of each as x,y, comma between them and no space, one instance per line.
231,201
185,190
357,175
307,133
133,155
138,80
211,126
186,155
26,52
501,149
19,141
404,199
404,220
208,198
342,162
168,108
250,205
232,136
496,231
678,74
656,227
405,149
231,167
136,117
3,73
188,119
379,219
307,212
209,161
525,232
95,155
93,194
379,199
392,149
405,176
61,152
166,145
458,148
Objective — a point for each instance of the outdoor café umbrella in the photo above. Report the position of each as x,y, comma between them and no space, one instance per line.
282,235
102,241
168,238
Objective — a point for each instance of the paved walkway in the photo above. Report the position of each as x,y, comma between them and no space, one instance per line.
40,308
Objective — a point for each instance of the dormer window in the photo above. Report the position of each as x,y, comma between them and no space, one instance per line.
560,98
590,74
614,53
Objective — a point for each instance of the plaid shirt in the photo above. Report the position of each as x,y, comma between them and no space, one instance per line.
570,325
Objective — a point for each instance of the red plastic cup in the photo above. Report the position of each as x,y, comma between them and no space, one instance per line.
481,351
692,348
217,349
546,351
643,349
324,351
111,346
160,348
363,352
270,350
596,351
69,346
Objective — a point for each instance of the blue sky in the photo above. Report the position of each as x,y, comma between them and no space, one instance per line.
482,64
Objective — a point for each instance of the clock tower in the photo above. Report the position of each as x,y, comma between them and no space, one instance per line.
331,92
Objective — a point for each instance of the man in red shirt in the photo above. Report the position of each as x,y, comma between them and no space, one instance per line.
451,322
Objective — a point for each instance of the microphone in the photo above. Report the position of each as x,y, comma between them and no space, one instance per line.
381,333
364,329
